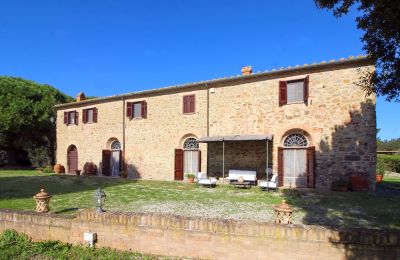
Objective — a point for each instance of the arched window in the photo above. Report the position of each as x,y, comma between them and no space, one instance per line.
295,140
191,144
115,145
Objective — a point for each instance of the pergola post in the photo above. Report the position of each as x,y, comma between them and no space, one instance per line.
266,170
223,161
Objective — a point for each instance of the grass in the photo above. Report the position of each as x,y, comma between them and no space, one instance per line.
15,246
330,209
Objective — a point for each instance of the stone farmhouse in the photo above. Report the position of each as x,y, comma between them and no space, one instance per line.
311,124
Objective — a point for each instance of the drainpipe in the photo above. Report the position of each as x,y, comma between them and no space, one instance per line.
123,138
208,110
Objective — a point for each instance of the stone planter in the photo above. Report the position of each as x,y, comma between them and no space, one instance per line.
90,169
359,183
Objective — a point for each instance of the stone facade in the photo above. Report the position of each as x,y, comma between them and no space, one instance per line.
337,119
205,238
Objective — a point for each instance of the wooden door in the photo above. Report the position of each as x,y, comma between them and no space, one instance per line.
311,167
72,159
105,166
280,166
178,176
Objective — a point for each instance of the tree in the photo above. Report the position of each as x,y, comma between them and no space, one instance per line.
380,21
27,116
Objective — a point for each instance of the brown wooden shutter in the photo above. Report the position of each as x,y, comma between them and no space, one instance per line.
178,165
311,167
306,89
199,161
192,103
95,115
66,121
129,109
280,166
144,109
185,104
84,116
282,93
106,162
76,117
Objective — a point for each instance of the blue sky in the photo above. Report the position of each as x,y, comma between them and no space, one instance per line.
111,47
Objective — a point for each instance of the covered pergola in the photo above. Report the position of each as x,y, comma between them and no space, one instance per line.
237,138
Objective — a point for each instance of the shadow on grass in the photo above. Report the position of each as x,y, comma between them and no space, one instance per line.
16,187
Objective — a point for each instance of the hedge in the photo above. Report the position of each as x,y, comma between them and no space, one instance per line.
390,162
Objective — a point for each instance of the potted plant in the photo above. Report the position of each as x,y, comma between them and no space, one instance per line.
380,171
339,185
190,177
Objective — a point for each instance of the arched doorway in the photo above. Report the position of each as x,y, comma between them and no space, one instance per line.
188,159
111,158
72,159
115,158
191,155
296,161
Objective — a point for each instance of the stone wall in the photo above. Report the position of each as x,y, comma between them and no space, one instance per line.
205,238
338,119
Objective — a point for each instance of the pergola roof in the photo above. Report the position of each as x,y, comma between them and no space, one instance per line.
209,139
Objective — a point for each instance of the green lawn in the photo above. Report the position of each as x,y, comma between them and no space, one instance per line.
332,209
14,246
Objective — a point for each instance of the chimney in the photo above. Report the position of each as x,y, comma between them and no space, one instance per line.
80,97
246,70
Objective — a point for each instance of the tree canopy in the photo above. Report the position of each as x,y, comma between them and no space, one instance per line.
380,21
27,117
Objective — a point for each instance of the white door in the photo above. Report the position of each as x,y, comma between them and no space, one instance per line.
191,162
115,157
294,168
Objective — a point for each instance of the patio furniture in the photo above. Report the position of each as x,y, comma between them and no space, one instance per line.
248,176
203,180
271,184
245,184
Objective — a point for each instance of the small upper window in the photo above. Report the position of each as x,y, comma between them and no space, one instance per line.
189,104
89,115
136,109
293,91
71,118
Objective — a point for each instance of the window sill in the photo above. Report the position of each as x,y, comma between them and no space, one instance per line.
137,118
188,114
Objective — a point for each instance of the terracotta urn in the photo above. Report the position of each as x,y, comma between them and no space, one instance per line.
379,178
58,168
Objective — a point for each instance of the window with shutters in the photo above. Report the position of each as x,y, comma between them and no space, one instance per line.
71,118
89,115
189,104
136,109
293,91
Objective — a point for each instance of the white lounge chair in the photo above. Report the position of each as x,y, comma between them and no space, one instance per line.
271,184
248,176
202,179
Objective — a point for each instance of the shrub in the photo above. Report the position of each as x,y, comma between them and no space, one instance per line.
389,162
48,169
39,157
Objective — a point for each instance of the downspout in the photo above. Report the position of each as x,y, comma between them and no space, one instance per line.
208,110
123,138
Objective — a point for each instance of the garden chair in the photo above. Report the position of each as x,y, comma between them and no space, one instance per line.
203,180
271,184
